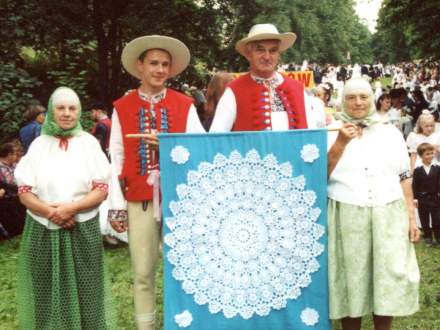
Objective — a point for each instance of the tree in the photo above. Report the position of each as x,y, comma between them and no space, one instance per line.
324,29
79,43
408,29
16,87
361,44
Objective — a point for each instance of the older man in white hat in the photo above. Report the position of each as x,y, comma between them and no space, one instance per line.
262,99
147,110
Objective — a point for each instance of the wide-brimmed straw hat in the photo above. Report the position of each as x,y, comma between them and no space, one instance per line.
266,32
180,55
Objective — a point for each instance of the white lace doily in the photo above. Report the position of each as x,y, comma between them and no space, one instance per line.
310,153
243,237
183,319
179,155
309,316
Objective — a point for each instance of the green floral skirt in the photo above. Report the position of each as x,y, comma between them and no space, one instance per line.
372,264
61,281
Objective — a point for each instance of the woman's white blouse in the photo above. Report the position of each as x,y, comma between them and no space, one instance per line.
58,175
368,172
415,139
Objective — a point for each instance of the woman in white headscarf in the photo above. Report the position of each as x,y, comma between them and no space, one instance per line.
62,180
372,262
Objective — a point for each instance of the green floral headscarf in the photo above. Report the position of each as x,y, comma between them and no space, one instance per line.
358,84
50,127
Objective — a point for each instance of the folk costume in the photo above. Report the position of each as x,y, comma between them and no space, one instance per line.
61,271
252,103
372,263
134,163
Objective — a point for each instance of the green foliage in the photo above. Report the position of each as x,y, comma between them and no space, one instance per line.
326,30
16,88
15,29
69,70
79,43
361,40
330,23
408,30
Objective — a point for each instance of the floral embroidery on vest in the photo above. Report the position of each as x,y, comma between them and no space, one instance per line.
271,96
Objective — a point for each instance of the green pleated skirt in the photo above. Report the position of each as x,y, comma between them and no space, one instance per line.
61,281
371,262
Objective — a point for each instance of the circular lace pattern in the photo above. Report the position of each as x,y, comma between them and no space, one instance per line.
183,319
179,155
309,153
243,237
309,316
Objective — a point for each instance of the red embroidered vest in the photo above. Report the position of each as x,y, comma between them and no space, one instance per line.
253,107
169,115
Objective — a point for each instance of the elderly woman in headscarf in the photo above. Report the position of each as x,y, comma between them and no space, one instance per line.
62,180
372,262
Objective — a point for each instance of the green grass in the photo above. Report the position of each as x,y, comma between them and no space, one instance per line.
118,264
119,270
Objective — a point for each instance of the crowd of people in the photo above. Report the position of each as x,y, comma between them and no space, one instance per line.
64,175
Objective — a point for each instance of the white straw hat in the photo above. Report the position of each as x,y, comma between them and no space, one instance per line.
180,55
266,32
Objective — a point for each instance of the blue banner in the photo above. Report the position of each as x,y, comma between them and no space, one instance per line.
245,239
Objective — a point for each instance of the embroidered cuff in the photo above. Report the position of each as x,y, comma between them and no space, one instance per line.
405,175
100,186
117,215
24,189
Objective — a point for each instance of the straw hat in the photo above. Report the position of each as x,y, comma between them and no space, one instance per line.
180,55
266,32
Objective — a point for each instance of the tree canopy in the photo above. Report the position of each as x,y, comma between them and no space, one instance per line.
408,30
79,43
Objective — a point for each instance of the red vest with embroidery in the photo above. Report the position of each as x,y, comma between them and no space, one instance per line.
169,115
253,106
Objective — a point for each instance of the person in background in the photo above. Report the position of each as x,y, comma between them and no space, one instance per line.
12,212
371,221
199,100
324,92
399,113
426,188
214,92
34,117
434,106
19,150
103,125
383,105
377,90
62,180
101,131
423,132
420,104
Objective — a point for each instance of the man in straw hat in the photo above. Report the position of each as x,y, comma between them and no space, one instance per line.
149,109
263,99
